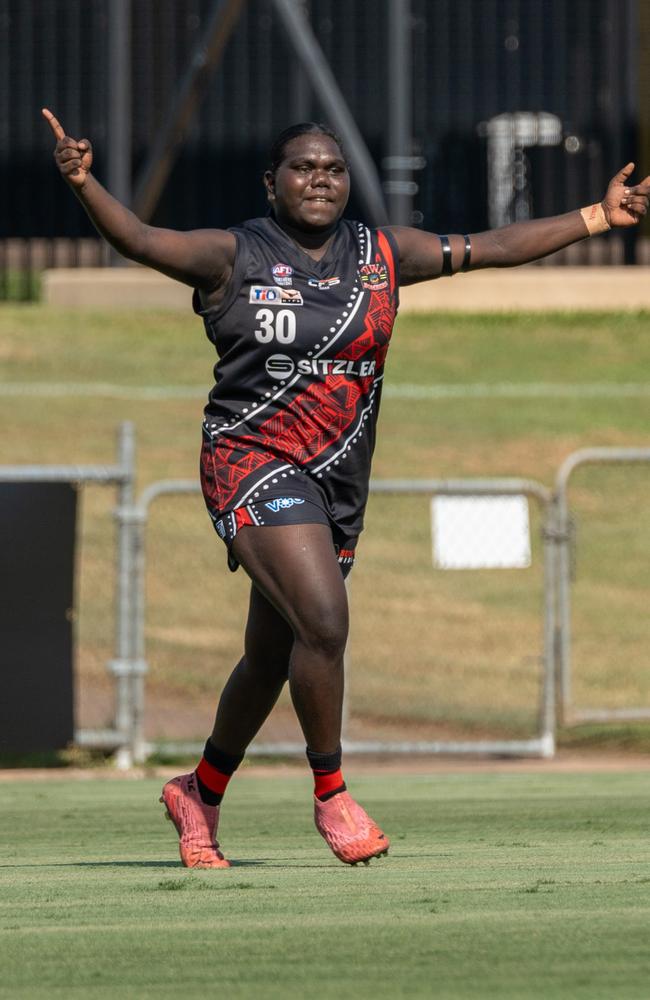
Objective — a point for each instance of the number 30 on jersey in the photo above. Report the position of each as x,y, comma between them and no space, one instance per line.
275,324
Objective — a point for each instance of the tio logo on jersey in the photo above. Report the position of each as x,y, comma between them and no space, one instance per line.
271,295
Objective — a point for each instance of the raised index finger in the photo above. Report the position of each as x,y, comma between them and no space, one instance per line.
54,124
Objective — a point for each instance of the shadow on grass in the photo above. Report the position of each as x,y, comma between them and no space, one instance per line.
98,864
261,863
270,864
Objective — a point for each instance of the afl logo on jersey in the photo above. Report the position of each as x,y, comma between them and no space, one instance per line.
272,296
282,274
374,277
279,366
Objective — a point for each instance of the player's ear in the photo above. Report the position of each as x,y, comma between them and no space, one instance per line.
269,184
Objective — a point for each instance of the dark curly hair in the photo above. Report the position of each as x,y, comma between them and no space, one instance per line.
278,148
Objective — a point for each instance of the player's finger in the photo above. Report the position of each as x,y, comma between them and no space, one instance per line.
67,142
623,174
85,145
67,153
635,201
54,123
71,167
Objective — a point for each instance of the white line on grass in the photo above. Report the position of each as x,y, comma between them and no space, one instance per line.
396,390
103,390
519,390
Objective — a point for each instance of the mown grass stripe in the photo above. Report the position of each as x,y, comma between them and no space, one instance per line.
395,390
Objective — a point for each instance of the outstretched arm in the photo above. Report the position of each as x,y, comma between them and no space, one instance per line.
202,258
421,254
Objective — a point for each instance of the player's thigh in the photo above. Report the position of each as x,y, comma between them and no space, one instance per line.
296,569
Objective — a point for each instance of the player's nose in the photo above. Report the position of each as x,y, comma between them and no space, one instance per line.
320,178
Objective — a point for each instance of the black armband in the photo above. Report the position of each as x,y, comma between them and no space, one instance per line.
445,246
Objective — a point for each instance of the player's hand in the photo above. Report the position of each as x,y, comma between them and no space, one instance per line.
625,204
73,157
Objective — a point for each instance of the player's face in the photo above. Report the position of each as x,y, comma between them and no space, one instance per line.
310,188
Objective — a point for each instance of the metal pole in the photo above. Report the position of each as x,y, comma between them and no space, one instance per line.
564,606
120,665
300,95
400,188
119,107
548,720
140,667
204,59
306,47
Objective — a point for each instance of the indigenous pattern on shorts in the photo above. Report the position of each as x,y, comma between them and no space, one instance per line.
302,345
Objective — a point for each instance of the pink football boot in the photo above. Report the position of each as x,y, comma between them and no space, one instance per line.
195,822
348,829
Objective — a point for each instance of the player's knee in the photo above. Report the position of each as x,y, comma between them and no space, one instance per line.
324,630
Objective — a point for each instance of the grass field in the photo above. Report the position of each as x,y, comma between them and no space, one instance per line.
449,653
501,886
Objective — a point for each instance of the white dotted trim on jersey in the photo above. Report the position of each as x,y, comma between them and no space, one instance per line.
354,436
226,525
356,298
278,472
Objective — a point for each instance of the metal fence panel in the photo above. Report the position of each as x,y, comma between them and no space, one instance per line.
604,502
436,661
103,713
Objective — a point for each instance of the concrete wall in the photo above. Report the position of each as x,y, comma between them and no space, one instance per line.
523,288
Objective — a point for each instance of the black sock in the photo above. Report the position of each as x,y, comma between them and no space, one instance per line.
328,780
214,772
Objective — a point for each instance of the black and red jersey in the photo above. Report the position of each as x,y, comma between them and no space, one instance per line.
301,347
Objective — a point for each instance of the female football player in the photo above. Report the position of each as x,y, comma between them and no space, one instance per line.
300,307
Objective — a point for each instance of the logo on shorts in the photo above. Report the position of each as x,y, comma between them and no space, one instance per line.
271,295
221,530
282,503
322,283
374,277
282,274
279,366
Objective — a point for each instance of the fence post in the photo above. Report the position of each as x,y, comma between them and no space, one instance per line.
549,698
139,663
120,666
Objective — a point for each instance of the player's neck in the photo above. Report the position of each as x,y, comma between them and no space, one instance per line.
315,244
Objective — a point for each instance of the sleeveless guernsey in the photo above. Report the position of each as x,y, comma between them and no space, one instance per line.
301,347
